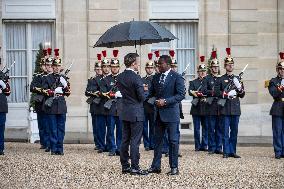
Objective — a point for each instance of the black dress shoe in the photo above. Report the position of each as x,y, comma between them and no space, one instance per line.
282,156
100,151
2,153
96,148
197,150
210,152
277,157
179,155
47,150
53,153
117,153
234,156
111,154
225,155
218,152
60,153
203,149
42,147
126,170
173,171
147,149
138,172
166,154
153,170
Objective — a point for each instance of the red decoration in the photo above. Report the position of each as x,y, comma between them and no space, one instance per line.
56,52
99,56
281,54
214,54
202,58
115,53
150,56
49,50
157,53
45,52
104,53
172,53
228,50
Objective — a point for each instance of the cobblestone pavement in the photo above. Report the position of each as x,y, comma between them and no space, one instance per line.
26,166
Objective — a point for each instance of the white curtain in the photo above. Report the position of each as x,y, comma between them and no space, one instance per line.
17,43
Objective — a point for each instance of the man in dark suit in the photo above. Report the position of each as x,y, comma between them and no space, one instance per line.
168,88
132,114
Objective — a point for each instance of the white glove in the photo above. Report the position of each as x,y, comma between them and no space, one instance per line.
0,91
118,94
282,82
2,84
58,90
232,93
63,82
237,83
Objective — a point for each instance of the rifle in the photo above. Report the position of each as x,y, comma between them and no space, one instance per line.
4,75
184,71
110,101
195,101
56,84
222,101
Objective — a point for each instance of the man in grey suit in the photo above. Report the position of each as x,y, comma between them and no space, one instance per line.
132,114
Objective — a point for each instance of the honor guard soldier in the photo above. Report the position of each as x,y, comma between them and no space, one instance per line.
4,92
214,121
148,128
112,105
157,54
56,88
230,89
36,88
102,113
276,90
198,89
93,94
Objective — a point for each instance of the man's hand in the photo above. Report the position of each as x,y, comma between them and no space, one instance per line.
63,82
232,94
237,83
2,84
58,90
146,88
160,102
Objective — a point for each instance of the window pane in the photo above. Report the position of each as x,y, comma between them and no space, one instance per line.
15,37
41,33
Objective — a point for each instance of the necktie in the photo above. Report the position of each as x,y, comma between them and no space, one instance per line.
162,79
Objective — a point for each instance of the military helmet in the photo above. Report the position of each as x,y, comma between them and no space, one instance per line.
57,60
202,66
228,59
114,62
105,61
174,62
214,62
42,60
280,64
49,58
98,63
150,63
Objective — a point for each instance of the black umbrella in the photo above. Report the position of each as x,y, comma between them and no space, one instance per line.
134,33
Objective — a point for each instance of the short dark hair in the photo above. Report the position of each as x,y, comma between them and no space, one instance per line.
165,58
130,58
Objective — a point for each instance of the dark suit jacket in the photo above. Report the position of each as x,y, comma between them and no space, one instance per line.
173,91
131,87
277,108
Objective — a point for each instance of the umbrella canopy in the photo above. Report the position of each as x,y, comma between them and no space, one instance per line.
134,33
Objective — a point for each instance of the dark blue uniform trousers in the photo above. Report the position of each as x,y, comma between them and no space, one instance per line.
230,133
95,129
197,122
46,130
57,131
114,132
40,125
173,137
148,131
101,124
214,133
2,130
131,136
278,135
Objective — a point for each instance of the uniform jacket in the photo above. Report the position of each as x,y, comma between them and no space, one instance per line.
148,108
211,82
277,108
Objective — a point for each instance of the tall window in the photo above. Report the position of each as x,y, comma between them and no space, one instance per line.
22,43
185,46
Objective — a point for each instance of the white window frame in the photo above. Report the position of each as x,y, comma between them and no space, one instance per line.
28,50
